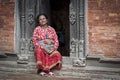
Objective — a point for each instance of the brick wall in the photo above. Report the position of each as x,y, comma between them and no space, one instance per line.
103,23
104,27
7,25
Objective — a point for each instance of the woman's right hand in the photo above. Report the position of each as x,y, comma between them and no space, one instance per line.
48,51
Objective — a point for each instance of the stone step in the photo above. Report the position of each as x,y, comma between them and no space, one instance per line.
90,72
93,70
102,73
68,61
32,65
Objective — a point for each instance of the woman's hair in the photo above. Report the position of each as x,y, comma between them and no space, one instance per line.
41,15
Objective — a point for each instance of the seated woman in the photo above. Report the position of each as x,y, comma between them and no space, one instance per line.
46,44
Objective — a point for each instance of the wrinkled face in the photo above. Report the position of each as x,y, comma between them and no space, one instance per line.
42,20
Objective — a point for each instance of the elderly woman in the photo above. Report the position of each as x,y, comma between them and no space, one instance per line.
46,44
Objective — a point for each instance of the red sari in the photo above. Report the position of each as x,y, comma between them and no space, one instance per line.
44,61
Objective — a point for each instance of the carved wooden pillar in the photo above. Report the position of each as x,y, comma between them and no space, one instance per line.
77,32
27,24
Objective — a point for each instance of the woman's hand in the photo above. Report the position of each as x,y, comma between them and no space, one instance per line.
48,51
51,51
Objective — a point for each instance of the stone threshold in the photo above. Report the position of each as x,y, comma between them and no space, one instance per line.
13,65
103,59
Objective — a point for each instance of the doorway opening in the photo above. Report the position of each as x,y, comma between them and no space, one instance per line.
60,21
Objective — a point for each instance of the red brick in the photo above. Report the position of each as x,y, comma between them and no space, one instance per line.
7,25
104,27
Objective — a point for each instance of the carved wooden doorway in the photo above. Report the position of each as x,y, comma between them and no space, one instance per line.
71,16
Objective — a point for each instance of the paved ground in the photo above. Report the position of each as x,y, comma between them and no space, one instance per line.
16,76
10,70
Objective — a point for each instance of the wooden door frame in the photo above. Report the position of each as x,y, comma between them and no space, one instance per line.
78,31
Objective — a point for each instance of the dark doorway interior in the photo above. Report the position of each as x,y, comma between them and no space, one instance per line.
60,21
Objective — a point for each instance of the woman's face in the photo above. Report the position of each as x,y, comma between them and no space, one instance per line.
42,20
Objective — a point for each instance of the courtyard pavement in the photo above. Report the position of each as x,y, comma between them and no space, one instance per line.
22,76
